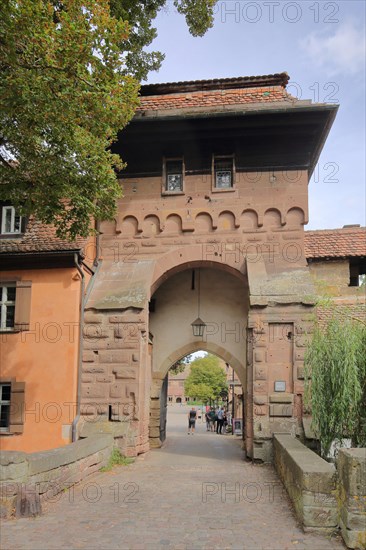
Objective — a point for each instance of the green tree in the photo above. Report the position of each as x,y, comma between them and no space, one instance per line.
206,380
70,72
335,381
140,15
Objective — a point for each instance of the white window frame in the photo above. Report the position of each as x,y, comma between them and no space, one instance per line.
165,190
5,403
5,303
12,221
230,158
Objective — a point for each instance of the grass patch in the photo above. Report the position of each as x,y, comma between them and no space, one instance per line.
117,459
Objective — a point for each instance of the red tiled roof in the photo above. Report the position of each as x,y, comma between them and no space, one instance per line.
217,92
38,237
212,98
336,243
342,308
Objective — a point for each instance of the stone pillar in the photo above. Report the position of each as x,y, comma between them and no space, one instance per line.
154,426
351,467
116,373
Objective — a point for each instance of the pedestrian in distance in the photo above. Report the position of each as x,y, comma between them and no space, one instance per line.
212,417
208,420
220,421
192,415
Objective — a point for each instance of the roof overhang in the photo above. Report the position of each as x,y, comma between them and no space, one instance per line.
38,260
275,136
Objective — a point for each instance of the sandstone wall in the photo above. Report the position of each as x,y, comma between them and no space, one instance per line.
27,480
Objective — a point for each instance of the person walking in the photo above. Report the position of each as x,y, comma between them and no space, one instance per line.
220,421
208,420
192,415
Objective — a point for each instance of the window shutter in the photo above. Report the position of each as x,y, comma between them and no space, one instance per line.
17,403
22,305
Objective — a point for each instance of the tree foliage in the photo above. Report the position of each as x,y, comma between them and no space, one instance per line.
70,72
64,95
180,365
206,380
335,387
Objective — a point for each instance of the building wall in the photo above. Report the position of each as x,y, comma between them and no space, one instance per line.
45,358
332,278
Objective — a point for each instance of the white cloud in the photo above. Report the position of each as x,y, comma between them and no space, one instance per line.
340,52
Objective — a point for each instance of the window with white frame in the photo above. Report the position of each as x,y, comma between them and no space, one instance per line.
223,172
173,169
5,392
11,222
7,306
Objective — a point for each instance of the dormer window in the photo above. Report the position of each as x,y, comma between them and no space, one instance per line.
173,171
11,222
223,169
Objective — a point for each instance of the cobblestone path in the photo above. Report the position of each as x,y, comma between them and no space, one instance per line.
195,493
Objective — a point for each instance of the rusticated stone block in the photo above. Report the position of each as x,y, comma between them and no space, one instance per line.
260,373
260,399
91,318
299,354
104,379
94,333
352,471
277,409
301,372
320,516
135,357
113,356
89,356
94,391
281,398
94,369
259,356
355,520
260,387
124,372
116,391
87,378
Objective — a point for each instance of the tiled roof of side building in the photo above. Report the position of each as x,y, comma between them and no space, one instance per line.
347,242
342,308
211,93
38,237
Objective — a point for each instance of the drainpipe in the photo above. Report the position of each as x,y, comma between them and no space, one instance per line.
80,352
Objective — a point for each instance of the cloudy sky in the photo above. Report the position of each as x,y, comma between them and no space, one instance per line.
322,47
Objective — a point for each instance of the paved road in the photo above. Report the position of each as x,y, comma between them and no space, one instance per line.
196,492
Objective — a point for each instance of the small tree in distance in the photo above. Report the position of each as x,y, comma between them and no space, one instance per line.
206,380
180,365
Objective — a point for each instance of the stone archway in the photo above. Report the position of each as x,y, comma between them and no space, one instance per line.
224,307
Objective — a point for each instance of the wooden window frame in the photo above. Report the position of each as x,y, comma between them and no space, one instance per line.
23,294
17,406
164,188
215,189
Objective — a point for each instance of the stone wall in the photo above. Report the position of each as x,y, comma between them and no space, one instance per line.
351,466
310,482
27,480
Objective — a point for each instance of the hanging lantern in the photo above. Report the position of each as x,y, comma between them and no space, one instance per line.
198,327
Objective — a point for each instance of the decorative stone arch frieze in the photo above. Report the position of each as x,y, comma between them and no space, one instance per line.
295,217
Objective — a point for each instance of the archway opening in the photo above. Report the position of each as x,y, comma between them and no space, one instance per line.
221,299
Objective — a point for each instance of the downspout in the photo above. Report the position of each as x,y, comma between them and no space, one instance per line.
82,309
80,351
